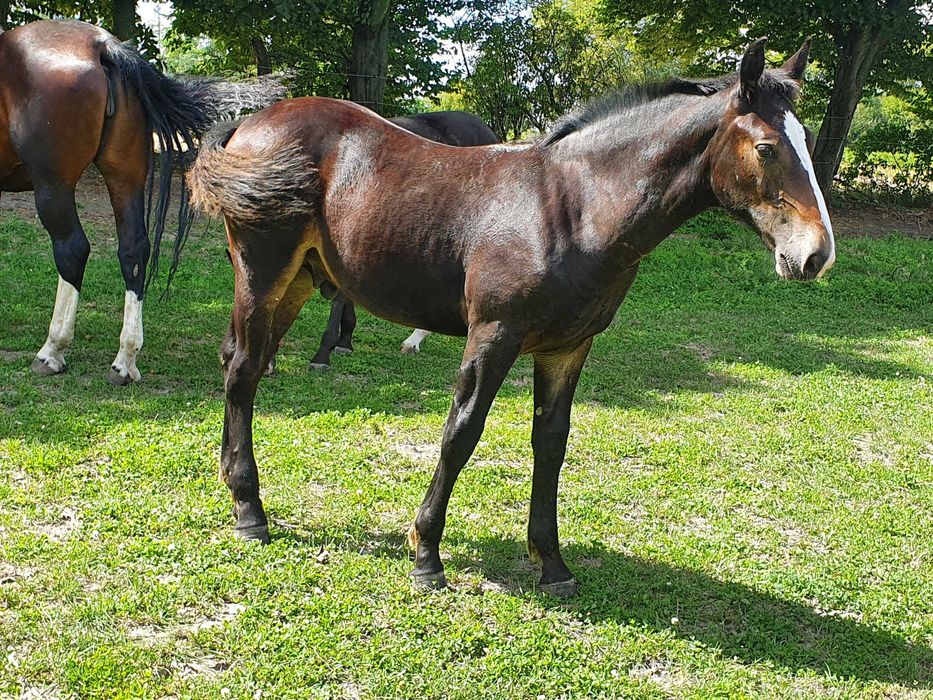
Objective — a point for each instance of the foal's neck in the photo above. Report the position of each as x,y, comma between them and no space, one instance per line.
650,168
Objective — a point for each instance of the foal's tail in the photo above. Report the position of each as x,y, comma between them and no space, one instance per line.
264,185
178,112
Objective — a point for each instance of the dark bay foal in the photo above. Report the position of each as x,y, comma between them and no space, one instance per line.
522,250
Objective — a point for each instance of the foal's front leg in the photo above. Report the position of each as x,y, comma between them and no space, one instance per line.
490,351
556,378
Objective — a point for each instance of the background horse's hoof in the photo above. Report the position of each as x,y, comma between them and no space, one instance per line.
252,533
269,371
410,349
428,582
44,369
117,379
318,366
561,589
342,350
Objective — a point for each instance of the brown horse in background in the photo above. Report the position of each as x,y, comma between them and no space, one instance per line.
72,94
525,250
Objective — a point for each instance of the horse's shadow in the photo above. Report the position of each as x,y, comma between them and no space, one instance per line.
732,619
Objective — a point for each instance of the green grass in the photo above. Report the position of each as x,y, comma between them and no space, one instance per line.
747,501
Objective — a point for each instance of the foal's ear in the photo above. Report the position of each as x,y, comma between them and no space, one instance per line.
753,65
796,65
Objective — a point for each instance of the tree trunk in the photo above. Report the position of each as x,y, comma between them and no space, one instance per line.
369,55
858,50
124,19
263,64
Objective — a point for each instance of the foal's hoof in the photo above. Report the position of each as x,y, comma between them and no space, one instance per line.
116,378
428,582
410,349
270,370
318,366
342,350
561,589
252,533
46,368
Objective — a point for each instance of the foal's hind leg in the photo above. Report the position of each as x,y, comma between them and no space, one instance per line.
271,287
490,351
123,161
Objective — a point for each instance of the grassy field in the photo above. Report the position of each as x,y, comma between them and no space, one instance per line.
747,501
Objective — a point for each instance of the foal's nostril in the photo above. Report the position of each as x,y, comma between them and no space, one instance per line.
814,264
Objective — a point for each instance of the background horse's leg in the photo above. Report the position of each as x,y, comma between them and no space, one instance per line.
412,343
321,359
556,378
55,203
490,351
124,163
347,326
271,287
57,140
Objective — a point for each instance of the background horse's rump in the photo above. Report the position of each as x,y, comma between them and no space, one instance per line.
73,94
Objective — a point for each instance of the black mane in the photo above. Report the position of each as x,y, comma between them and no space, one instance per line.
626,98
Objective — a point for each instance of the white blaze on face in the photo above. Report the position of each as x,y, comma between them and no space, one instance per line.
798,139
62,327
131,338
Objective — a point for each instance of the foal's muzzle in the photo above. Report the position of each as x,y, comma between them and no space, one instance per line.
804,268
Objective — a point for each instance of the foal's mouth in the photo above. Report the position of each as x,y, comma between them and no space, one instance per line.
788,268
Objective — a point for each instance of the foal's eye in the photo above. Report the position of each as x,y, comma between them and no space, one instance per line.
765,150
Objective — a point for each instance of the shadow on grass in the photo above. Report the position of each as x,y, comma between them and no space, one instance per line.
732,619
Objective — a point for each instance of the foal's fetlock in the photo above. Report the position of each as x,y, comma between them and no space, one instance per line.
428,573
251,524
560,589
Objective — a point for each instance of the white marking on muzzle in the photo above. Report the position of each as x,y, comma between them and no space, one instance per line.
131,337
62,327
798,139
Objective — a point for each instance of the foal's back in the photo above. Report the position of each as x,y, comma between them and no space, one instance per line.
387,200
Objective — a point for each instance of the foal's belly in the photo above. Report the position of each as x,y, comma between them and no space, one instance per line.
402,282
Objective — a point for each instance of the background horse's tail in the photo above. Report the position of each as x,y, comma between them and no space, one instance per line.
178,112
267,184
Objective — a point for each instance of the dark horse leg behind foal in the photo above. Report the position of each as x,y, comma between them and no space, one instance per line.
491,349
333,333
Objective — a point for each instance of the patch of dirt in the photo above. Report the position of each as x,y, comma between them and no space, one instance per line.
59,531
10,573
92,199
418,452
660,672
150,634
869,451
205,666
873,221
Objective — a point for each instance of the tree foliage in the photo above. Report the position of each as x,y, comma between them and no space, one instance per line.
858,44
316,41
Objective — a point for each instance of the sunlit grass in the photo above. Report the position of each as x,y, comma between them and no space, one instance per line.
747,500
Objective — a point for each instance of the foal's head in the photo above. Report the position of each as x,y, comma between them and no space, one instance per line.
762,171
